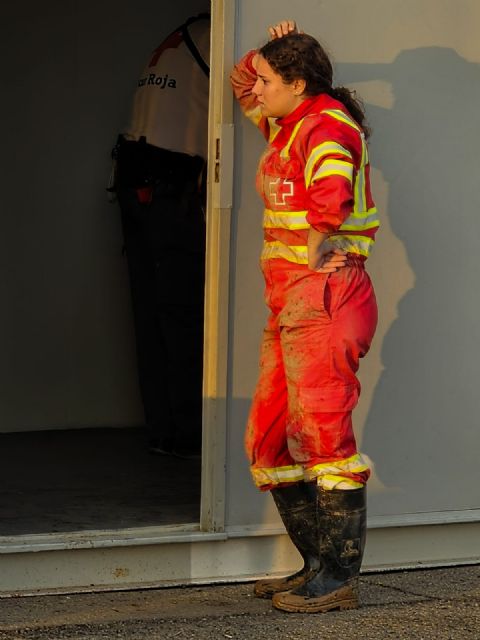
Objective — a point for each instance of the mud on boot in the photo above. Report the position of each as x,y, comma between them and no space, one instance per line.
342,526
297,506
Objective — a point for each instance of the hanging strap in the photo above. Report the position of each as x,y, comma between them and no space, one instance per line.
190,43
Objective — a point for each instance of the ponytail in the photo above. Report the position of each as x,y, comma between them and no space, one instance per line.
354,106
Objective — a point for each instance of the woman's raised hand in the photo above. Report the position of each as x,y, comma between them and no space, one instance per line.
283,28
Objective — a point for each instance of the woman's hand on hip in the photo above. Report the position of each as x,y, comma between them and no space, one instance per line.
283,28
332,261
322,256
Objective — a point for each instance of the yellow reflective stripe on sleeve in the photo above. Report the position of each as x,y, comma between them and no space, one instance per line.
354,464
361,221
359,190
284,153
360,197
277,475
297,254
339,115
352,243
324,149
330,167
285,219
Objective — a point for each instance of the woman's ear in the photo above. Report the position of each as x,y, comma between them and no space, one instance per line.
299,86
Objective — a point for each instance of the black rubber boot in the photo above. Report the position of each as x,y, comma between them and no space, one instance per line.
341,541
297,506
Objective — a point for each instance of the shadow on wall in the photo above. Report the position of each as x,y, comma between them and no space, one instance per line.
422,427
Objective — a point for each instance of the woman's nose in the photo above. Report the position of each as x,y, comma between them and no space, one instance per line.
256,88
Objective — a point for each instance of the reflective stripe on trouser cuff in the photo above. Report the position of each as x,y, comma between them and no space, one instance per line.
329,475
329,482
338,474
277,475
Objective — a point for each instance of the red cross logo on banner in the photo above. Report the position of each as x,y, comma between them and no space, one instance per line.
280,189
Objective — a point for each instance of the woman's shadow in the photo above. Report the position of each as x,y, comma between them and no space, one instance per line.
422,426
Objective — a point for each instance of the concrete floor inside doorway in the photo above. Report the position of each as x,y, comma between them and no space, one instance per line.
77,480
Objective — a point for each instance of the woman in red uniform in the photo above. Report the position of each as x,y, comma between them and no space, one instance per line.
319,226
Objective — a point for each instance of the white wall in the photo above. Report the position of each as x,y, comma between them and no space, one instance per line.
66,341
417,65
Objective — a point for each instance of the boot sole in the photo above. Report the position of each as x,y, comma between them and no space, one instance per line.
323,604
266,594
267,590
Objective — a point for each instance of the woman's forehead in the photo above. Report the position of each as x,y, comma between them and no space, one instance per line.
264,69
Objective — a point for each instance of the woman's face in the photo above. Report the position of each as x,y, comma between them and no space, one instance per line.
276,98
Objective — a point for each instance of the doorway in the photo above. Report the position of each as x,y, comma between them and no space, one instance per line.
73,452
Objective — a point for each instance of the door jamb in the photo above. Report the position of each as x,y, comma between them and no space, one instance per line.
217,268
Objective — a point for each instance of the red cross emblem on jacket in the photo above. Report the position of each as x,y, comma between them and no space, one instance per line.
280,189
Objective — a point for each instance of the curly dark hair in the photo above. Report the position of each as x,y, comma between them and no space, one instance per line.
298,56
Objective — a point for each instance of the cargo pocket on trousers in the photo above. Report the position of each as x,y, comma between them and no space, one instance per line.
318,291
306,302
328,399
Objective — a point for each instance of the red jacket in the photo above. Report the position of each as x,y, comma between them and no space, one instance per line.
314,172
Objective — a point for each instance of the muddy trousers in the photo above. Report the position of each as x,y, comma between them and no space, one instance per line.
300,423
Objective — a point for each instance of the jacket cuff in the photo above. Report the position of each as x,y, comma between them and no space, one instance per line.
249,61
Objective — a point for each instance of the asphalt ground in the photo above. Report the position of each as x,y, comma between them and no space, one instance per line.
436,604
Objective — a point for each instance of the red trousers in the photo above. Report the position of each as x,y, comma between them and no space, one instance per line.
300,424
